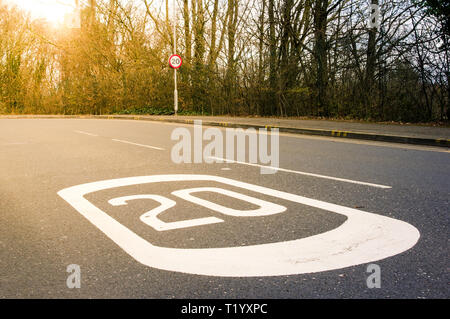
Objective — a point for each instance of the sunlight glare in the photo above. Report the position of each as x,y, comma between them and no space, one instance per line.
53,11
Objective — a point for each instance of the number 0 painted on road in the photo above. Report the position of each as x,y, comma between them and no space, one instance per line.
363,238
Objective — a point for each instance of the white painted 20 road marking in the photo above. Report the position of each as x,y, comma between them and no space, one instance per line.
265,208
364,237
151,217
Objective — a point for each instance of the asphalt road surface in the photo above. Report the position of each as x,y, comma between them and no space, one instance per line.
142,226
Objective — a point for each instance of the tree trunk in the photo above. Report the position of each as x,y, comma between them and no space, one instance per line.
369,86
320,54
259,102
230,83
198,78
272,58
187,33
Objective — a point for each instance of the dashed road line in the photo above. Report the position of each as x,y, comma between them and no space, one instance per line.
302,173
122,141
141,145
86,133
14,143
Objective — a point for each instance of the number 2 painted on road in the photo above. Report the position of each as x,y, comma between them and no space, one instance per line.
151,217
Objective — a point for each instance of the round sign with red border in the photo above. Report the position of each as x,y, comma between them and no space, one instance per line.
175,61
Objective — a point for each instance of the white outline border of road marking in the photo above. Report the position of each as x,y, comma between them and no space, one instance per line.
364,237
302,173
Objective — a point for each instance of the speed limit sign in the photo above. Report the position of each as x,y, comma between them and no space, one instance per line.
175,61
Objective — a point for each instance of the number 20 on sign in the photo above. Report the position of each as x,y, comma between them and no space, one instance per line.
175,61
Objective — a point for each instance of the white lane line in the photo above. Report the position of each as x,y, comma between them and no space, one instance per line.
15,143
142,145
303,173
86,133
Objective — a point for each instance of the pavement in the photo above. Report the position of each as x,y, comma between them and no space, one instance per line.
107,195
392,133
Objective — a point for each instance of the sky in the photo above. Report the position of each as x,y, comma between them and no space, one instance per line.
53,11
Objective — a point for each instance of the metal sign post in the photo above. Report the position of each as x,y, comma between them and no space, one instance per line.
175,92
175,62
